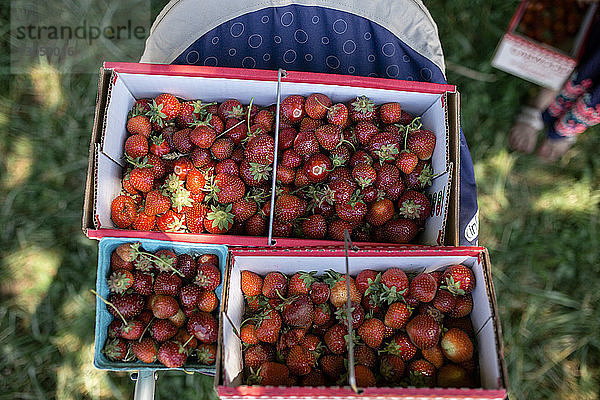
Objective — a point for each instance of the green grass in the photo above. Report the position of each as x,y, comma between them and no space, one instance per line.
541,224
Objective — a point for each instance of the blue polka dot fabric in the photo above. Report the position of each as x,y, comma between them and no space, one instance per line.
318,39
305,38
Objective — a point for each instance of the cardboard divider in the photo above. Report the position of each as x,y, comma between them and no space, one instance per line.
121,83
289,261
106,247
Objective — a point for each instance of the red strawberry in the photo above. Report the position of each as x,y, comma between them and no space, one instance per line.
329,136
120,280
336,229
159,146
420,178
380,212
364,279
208,301
322,314
288,207
352,212
258,354
222,148
306,144
162,330
115,349
299,360
231,108
256,225
268,327
395,277
414,205
422,143
285,175
423,287
219,219
237,130
462,307
459,279
456,345
397,315
364,175
186,265
402,347
181,167
227,166
391,367
274,374
136,146
157,165
195,181
332,365
172,354
200,158
292,108
387,176
227,188
204,327
360,157
319,292
313,379
168,105
421,373
362,109
163,306
384,147
371,332
434,355
335,338
400,230
203,136
260,149
337,114
444,301
254,174
338,290
340,156
314,227
407,161
123,211
300,283
299,313
139,125
390,113
171,221
142,179
423,331
206,354
316,105
251,283
317,167
274,285
290,159
208,276
266,119
189,295
128,304
248,333
364,355
133,330
364,132
167,283
156,203
143,283
145,350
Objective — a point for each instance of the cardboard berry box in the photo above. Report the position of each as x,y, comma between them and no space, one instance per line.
121,84
544,61
484,316
106,247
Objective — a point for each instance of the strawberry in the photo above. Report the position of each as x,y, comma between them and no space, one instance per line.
166,104
353,211
299,312
167,283
189,295
219,219
444,301
163,306
181,167
456,345
178,319
316,105
337,114
400,230
162,330
195,181
364,175
338,290
208,276
423,287
268,326
159,146
248,333
200,158
258,354
203,136
274,285
172,354
120,280
420,178
123,211
115,349
397,315
260,149
395,277
364,132
136,146
285,175
208,301
387,176
288,207
407,161
391,367
414,205
292,108
171,221
340,156
300,283
314,227
290,159
434,355
371,332
313,379
380,212
142,179
227,188
237,130
423,331
273,374
390,113
463,306
145,350
156,203
319,292
139,125
251,283
360,156
299,360
157,165
364,376
384,147
306,144
452,375
204,327
222,148
402,347
329,136
362,109
227,166
422,143
231,108
266,119
335,338
458,279
128,305
421,373
364,355
336,229
332,365
256,225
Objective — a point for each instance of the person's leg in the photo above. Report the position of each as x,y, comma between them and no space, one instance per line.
523,134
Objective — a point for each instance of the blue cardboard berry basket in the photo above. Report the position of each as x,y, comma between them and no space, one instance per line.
103,317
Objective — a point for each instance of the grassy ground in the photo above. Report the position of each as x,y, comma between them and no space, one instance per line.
541,224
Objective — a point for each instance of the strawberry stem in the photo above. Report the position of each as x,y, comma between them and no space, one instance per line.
249,109
110,304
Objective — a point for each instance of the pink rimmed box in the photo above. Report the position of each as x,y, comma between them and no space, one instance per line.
121,84
484,317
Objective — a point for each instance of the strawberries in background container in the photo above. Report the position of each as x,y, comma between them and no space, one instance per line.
345,159
401,341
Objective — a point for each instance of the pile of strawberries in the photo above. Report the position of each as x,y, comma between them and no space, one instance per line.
406,331
164,307
207,167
